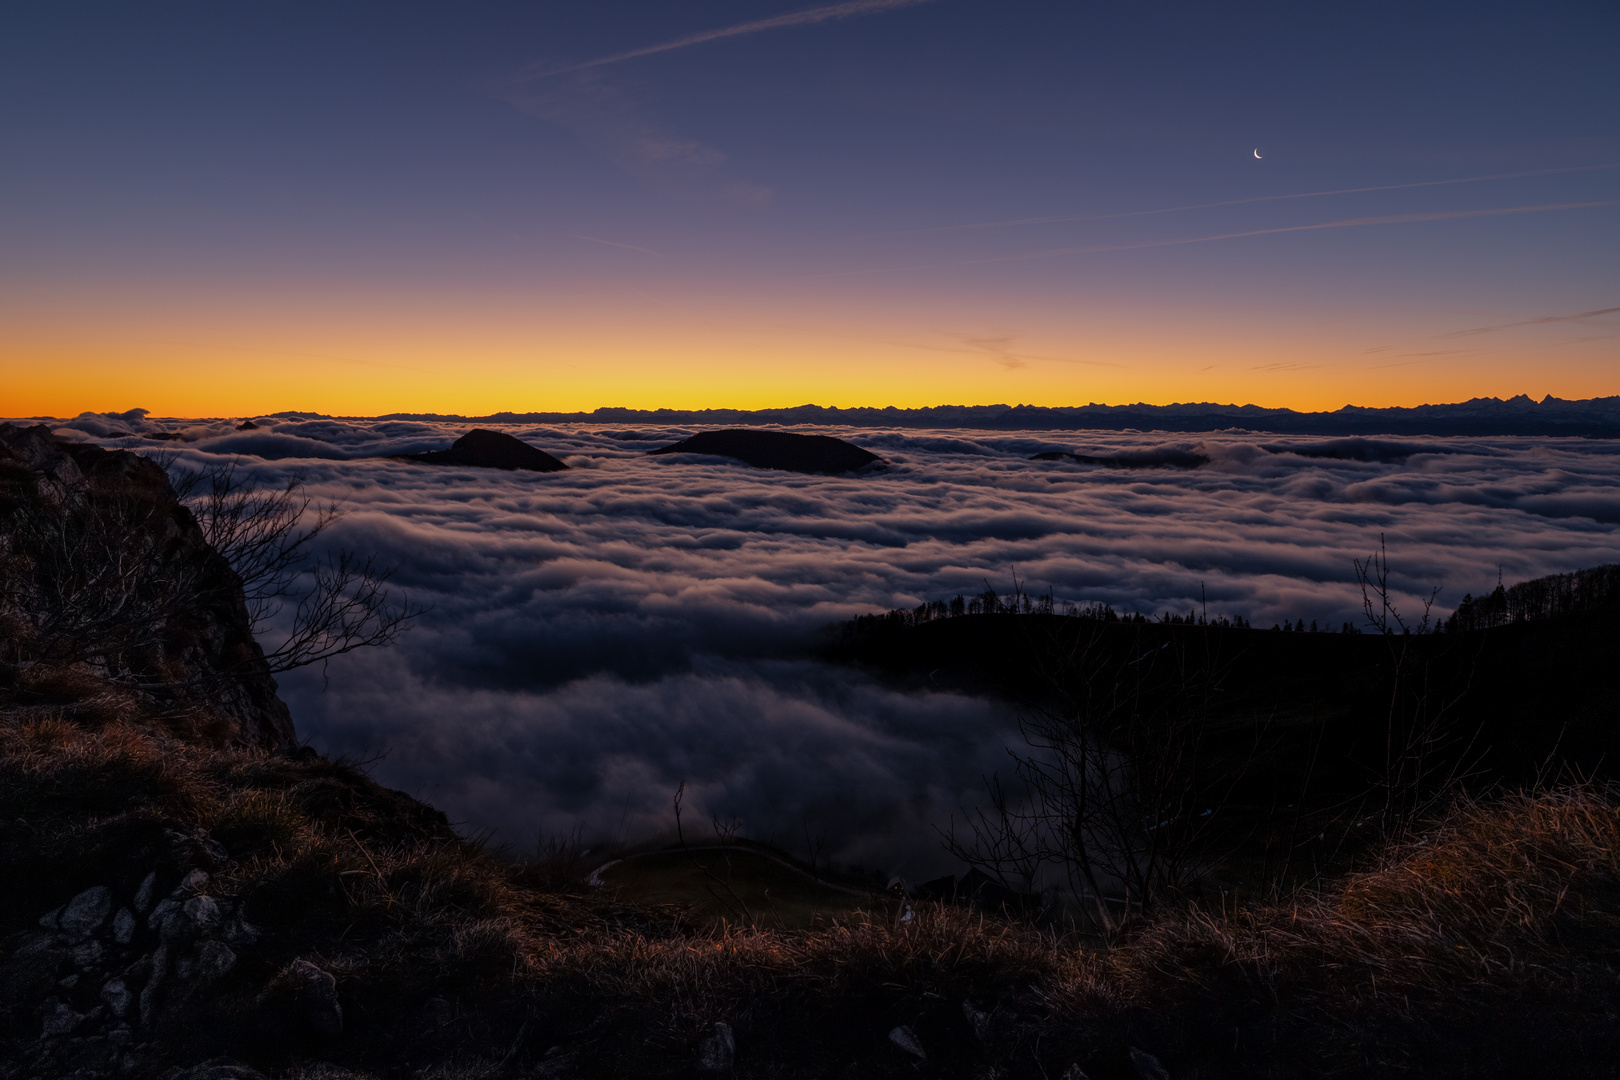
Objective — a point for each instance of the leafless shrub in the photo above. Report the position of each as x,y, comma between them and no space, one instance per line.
725,833
1114,792
342,600
1425,753
86,578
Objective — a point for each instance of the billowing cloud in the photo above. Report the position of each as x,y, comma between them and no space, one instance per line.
600,635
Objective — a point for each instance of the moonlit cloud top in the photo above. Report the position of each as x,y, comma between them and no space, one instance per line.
600,635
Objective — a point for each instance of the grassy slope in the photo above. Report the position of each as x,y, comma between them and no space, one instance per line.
1486,949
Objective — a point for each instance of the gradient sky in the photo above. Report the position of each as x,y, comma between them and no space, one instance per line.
220,209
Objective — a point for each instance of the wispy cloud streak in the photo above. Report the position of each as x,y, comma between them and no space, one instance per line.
1345,223
1536,322
830,13
1063,218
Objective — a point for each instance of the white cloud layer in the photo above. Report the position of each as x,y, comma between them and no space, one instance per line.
600,635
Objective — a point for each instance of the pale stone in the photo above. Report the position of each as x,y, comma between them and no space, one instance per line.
117,997
144,894
87,911
203,913
718,1050
907,1040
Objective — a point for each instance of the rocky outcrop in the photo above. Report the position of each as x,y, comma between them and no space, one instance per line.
111,969
487,449
106,578
777,450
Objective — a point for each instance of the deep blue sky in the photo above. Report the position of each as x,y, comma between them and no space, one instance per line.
185,184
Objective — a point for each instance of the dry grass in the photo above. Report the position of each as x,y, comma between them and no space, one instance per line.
1488,893
1510,900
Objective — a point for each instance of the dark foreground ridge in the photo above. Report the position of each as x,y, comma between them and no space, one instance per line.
190,896
487,449
1520,415
777,450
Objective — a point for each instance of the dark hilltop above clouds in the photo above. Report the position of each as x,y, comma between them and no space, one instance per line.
486,449
777,450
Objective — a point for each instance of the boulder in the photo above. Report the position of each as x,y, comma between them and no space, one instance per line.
718,1050
203,911
145,892
906,1039
117,997
86,912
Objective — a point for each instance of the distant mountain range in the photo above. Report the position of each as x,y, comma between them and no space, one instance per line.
1521,415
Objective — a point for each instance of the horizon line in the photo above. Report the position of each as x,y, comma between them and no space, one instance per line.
138,414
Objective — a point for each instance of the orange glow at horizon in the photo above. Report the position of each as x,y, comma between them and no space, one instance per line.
239,359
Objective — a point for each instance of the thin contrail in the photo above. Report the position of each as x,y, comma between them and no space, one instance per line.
1392,219
830,13
1536,322
1058,219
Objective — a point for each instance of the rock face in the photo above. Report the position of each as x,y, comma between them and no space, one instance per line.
777,450
487,449
105,575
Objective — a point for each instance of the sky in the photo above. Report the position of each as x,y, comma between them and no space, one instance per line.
599,636
233,209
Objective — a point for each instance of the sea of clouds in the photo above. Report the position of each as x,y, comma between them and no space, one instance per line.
597,637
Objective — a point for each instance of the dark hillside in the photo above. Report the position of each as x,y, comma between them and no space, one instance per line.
1297,719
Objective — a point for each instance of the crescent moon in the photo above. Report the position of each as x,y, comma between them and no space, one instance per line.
1257,156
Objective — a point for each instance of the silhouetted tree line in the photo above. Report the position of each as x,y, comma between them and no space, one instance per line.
1019,602
1592,591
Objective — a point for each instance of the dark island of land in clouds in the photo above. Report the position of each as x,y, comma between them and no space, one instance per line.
485,449
785,450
